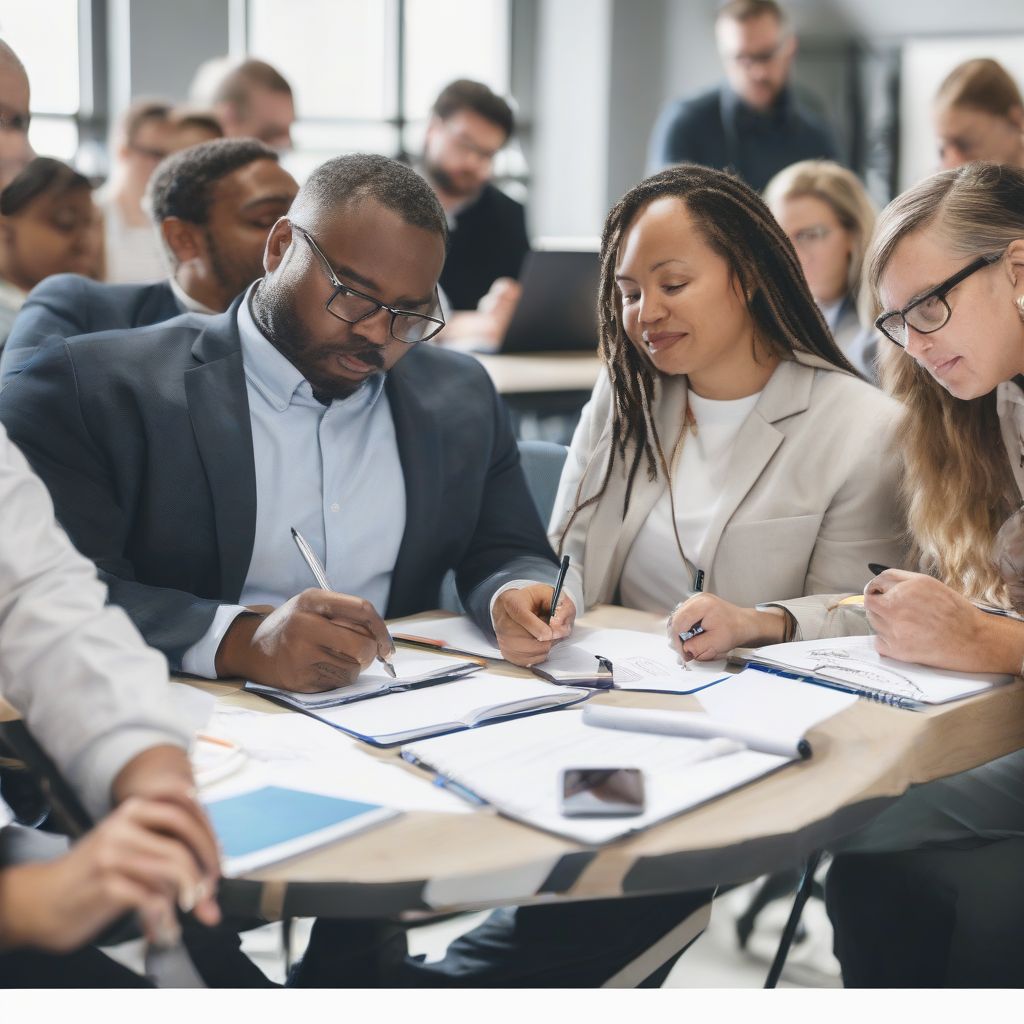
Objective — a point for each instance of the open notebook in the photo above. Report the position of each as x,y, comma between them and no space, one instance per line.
456,635
414,669
852,664
516,766
449,707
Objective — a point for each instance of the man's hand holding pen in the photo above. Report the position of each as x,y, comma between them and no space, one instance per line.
316,641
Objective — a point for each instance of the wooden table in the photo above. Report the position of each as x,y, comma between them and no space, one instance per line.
542,373
423,864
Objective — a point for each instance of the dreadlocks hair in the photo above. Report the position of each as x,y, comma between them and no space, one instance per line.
738,226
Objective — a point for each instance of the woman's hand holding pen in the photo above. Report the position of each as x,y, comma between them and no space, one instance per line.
917,618
316,641
521,623
724,626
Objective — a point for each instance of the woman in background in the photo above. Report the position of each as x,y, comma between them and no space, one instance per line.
47,226
829,218
979,115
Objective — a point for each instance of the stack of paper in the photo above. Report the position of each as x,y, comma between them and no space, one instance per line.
457,635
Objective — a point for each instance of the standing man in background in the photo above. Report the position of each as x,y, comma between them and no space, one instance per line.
15,151
754,124
469,125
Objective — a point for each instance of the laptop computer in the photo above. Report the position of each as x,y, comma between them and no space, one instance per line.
557,311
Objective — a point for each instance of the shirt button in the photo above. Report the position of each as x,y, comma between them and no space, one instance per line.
335,507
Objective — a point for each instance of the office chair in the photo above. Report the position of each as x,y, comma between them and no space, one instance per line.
542,466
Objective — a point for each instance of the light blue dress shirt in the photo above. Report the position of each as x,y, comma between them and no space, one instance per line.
333,472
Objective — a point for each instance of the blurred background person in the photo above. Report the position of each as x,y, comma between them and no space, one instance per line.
46,227
469,125
15,151
829,218
215,204
251,99
979,115
754,123
150,130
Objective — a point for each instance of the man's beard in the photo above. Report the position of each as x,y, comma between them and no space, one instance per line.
446,183
231,275
273,309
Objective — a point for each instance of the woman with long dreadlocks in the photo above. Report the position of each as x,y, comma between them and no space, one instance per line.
731,463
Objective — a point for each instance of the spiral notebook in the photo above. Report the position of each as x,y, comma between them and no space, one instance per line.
853,665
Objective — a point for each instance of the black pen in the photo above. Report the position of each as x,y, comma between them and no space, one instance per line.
556,596
696,629
320,575
878,569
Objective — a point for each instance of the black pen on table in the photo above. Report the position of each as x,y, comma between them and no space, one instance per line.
320,575
556,595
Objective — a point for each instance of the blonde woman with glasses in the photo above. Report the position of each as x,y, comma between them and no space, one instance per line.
829,218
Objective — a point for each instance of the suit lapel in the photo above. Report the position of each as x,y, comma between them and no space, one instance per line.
787,393
419,451
218,407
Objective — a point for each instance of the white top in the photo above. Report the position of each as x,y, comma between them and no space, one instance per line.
653,576
92,693
134,254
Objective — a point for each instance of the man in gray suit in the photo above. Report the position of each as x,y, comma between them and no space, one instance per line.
214,205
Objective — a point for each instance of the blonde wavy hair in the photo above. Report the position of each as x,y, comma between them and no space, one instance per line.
843,193
958,487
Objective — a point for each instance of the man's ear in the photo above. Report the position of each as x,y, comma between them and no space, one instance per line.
278,241
182,238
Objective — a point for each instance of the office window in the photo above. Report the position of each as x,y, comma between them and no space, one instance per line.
45,34
365,72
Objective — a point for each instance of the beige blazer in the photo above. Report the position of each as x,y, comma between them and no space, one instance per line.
810,498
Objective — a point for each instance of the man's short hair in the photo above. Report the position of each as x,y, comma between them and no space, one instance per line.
348,180
182,184
185,117
236,86
745,10
465,94
138,114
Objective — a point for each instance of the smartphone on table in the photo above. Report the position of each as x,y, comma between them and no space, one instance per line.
601,792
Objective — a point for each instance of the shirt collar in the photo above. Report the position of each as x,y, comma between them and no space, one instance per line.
734,108
279,380
187,303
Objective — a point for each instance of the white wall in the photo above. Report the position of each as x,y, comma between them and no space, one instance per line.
570,140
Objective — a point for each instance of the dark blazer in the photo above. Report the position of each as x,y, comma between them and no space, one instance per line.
488,241
144,440
716,129
67,305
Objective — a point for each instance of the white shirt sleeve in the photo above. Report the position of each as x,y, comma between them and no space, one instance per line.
90,690
200,658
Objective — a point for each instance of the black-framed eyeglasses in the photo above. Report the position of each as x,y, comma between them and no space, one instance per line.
928,312
353,306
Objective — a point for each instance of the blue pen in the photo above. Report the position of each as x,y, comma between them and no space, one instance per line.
443,782
906,703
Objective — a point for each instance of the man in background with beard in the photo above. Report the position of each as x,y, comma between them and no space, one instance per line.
468,126
213,205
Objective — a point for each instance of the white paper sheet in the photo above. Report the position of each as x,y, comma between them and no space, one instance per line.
459,632
517,767
292,749
854,660
641,661
786,708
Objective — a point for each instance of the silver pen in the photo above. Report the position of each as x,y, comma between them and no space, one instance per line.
320,575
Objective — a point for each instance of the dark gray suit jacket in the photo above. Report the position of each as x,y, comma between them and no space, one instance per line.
67,305
144,440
